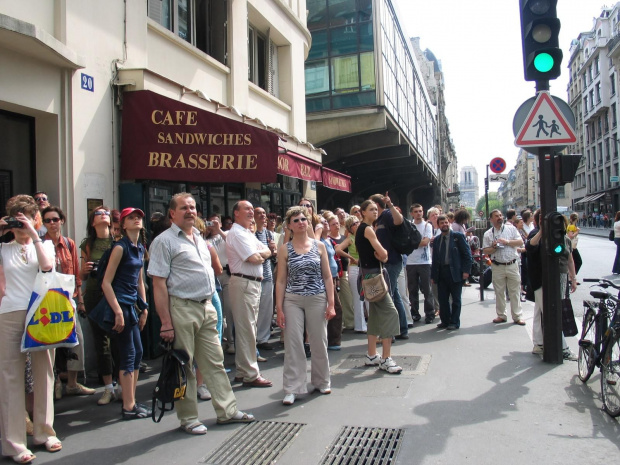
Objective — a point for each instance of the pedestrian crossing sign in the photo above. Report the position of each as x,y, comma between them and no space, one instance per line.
545,125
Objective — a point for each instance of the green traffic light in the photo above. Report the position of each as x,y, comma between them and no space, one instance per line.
558,249
543,62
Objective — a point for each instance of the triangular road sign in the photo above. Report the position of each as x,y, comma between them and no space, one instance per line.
545,125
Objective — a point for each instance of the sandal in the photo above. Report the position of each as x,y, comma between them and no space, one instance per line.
239,417
53,444
24,457
195,428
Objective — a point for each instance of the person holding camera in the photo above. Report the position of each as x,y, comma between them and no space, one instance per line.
20,261
500,242
67,263
98,240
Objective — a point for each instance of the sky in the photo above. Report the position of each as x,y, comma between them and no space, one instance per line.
479,46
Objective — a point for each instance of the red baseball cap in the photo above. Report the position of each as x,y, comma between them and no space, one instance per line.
129,210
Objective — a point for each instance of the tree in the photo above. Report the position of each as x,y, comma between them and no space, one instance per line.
494,203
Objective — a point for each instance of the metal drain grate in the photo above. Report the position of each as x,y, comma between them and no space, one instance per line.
359,445
259,443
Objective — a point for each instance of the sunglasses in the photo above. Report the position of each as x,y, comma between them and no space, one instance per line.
51,220
297,220
102,212
39,199
306,205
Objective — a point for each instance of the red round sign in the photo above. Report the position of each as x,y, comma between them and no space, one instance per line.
497,165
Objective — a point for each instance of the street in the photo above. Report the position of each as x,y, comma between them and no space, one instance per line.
476,395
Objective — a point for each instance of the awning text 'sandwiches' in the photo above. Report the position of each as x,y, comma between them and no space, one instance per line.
169,140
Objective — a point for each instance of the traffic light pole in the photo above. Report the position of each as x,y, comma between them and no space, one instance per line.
552,310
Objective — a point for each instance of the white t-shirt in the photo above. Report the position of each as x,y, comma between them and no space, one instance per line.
241,244
219,244
20,266
422,255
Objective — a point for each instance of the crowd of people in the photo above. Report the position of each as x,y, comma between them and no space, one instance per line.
221,285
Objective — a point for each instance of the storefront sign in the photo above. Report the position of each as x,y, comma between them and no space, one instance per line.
335,180
296,166
169,140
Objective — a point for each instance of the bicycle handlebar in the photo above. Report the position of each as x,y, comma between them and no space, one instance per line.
604,283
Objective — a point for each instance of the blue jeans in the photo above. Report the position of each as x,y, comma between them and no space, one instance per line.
217,303
129,343
394,270
447,287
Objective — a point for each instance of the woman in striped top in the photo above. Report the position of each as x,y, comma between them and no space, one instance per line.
304,295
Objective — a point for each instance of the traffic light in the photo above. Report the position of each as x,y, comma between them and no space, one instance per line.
565,168
555,230
540,28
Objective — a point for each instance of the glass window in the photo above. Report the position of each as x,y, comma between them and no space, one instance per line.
342,12
317,77
365,10
366,37
234,195
319,45
185,20
345,74
367,68
317,104
343,40
317,17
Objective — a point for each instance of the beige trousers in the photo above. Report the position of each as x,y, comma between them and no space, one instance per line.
346,301
244,303
12,393
507,276
298,311
195,332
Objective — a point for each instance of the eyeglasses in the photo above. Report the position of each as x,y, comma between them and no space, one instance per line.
51,220
307,205
297,220
102,212
41,199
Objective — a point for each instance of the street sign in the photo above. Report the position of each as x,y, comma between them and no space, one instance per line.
497,165
545,125
498,178
614,179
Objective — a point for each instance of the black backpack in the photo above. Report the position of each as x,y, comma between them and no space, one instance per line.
405,237
172,381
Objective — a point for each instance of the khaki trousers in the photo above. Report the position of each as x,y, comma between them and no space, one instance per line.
346,301
507,276
244,302
12,393
309,310
195,331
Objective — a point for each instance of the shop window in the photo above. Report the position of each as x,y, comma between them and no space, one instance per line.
202,23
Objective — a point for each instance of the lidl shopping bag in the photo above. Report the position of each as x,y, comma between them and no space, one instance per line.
50,320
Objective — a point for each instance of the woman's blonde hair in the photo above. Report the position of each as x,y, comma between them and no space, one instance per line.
296,211
25,204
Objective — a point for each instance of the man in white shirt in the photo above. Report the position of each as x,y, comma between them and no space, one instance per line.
501,243
246,255
419,268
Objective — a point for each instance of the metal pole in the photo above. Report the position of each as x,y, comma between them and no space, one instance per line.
482,261
552,310
486,196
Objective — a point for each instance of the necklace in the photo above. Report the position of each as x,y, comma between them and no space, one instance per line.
23,255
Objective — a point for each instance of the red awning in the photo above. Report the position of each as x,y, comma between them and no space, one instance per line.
296,166
335,180
170,140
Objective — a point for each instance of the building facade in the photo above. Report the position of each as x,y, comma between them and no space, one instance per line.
125,103
368,105
593,93
468,186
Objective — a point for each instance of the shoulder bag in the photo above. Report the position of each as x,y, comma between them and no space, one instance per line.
375,288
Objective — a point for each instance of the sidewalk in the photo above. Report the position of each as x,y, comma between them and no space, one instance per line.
602,232
476,395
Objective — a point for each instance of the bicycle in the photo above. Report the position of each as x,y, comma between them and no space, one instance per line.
599,344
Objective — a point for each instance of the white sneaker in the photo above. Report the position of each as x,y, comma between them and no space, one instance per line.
389,365
107,397
289,399
203,392
568,354
373,361
537,350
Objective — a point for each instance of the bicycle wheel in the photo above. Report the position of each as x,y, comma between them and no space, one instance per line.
610,376
585,359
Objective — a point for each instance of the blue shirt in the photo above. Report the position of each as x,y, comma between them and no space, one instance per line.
125,283
333,266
